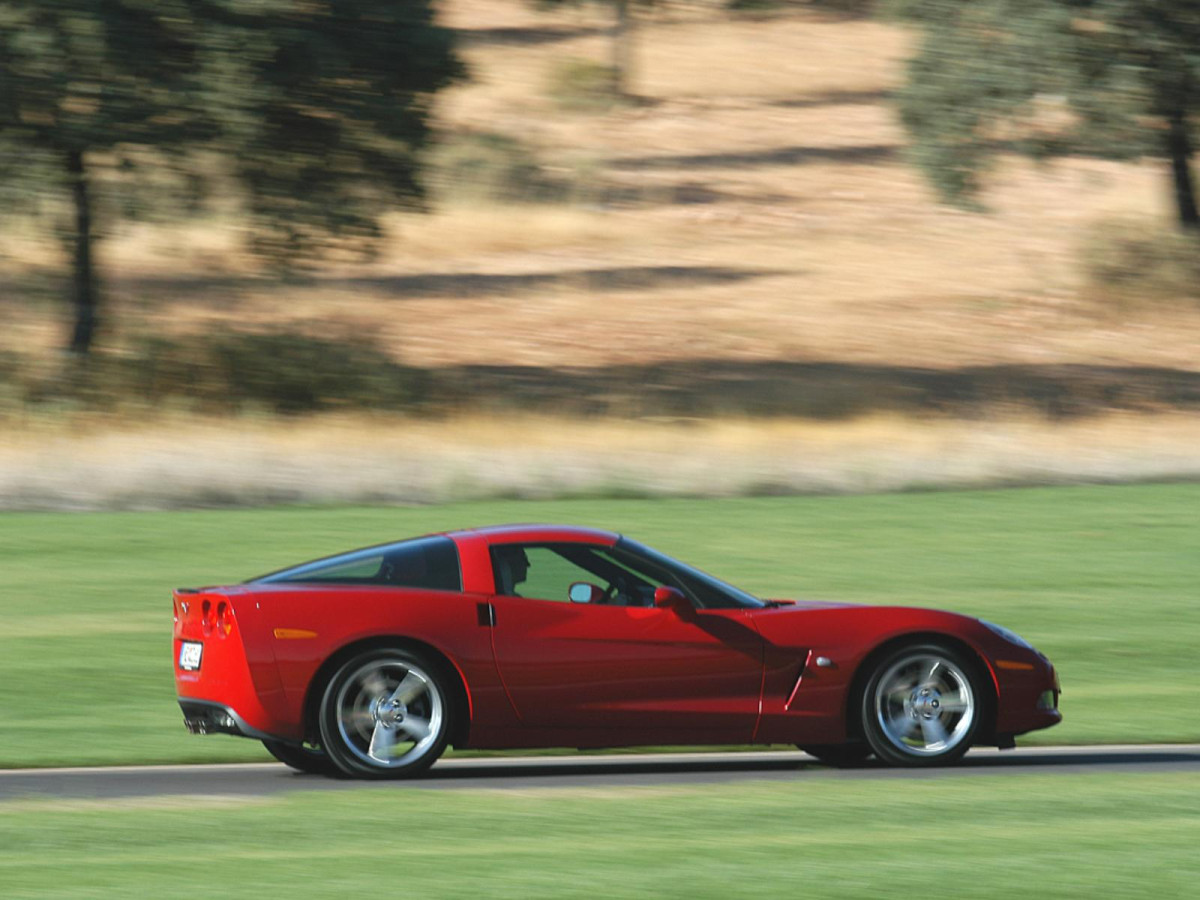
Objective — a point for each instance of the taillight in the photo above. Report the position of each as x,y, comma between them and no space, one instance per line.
224,619
216,616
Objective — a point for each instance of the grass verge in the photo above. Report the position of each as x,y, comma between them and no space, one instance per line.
1089,835
1102,579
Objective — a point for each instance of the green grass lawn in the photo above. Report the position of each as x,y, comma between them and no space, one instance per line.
1105,580
1040,836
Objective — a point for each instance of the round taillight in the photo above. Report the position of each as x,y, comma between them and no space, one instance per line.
224,619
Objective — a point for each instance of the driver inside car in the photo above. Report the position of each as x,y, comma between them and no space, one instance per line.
512,568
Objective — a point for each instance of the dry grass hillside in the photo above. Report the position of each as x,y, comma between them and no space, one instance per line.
753,209
756,205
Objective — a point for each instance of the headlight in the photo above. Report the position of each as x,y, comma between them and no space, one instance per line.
1011,636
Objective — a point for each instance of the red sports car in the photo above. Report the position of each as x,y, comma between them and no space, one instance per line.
371,662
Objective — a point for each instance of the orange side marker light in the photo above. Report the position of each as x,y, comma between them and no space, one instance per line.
294,634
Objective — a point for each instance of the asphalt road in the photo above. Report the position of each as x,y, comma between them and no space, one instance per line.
513,773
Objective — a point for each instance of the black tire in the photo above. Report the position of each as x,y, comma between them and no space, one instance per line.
387,713
311,760
838,755
922,706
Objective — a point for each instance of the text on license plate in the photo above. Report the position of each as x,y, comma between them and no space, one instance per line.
189,655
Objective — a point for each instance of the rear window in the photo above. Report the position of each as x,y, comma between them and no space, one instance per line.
430,563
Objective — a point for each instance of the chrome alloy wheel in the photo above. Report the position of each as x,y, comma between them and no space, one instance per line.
390,713
923,705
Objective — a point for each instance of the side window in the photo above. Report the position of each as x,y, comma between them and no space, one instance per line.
547,571
358,568
551,575
536,572
430,563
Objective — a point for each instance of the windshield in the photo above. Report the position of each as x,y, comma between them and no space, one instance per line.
705,590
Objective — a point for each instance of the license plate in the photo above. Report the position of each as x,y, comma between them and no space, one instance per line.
189,655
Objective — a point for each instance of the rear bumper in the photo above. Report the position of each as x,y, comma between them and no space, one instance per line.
232,684
207,717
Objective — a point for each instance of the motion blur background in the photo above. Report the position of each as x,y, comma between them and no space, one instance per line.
283,277
279,251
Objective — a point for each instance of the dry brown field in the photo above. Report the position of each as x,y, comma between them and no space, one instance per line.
185,462
768,213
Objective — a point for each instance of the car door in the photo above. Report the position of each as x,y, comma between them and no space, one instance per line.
617,670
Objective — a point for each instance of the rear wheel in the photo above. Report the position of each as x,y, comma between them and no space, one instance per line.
306,759
922,706
386,714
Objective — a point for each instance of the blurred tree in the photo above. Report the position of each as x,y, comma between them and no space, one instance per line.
317,108
80,80
324,107
1115,78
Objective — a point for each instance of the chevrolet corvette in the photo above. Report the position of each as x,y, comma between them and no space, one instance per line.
371,663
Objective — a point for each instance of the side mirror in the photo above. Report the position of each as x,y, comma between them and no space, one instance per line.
584,592
666,597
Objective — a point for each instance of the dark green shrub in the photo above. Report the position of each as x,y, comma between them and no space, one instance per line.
294,373
583,85
839,7
11,391
489,166
283,372
1130,265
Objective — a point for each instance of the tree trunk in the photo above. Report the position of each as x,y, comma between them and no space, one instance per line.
1179,148
622,37
84,291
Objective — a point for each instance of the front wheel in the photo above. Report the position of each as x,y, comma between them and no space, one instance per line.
922,706
386,714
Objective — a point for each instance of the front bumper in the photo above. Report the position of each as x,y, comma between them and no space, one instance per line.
1028,698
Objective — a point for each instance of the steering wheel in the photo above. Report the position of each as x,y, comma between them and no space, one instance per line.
617,588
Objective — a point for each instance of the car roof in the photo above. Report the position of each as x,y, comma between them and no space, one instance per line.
539,533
